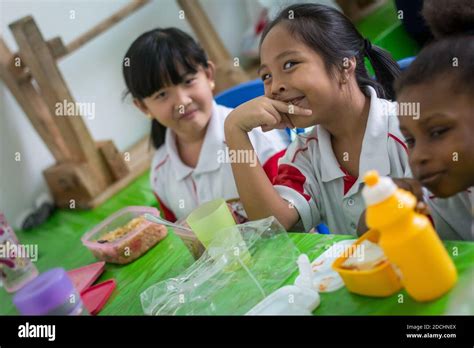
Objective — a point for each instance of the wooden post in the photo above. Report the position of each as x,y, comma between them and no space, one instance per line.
37,56
104,25
59,50
113,158
33,106
227,74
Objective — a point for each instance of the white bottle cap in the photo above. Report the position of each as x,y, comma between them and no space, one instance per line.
377,189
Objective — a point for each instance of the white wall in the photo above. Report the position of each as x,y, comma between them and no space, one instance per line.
93,74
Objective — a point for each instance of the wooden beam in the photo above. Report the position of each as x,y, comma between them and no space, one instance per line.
105,24
37,56
22,73
140,154
139,158
227,75
33,106
72,183
59,50
114,159
204,30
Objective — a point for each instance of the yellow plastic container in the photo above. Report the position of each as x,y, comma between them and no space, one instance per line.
380,281
408,239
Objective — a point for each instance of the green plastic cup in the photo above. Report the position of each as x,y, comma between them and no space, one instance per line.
207,219
212,222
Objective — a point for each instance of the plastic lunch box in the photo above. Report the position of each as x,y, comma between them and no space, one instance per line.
131,245
380,281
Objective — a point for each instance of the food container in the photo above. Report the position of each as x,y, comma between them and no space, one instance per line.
380,281
125,235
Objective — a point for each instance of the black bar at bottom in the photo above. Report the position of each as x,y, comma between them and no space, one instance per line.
419,330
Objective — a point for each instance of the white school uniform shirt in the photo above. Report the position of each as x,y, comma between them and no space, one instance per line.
452,216
180,188
310,177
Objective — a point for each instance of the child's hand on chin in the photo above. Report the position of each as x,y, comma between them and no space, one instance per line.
414,187
264,112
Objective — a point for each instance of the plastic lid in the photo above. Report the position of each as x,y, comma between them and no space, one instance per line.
83,277
377,189
43,294
95,297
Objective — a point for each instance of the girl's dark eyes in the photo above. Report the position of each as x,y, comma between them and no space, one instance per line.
286,66
434,133
437,132
410,142
265,77
190,80
289,65
160,95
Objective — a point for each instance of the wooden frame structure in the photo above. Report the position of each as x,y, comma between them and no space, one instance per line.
87,172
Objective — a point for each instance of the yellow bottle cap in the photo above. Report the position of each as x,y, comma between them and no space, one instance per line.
371,178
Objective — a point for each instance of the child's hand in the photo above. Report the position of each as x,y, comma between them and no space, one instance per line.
266,113
414,187
410,185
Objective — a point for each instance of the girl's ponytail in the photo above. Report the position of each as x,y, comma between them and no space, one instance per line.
385,68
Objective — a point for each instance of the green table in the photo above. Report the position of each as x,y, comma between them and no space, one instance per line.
59,245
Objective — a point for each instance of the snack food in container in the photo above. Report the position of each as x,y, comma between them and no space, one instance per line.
125,235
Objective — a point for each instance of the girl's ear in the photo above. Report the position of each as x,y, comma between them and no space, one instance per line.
348,69
210,71
141,106
352,66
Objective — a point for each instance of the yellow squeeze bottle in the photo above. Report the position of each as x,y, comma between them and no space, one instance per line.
408,239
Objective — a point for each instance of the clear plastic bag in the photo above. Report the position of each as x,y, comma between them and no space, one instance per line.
229,278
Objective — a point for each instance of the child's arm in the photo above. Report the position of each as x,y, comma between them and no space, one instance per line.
259,197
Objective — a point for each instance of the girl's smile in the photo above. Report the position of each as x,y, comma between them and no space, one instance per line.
188,114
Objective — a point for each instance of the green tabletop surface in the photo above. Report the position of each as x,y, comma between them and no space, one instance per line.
59,245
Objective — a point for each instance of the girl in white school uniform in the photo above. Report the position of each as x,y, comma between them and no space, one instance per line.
171,81
312,66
